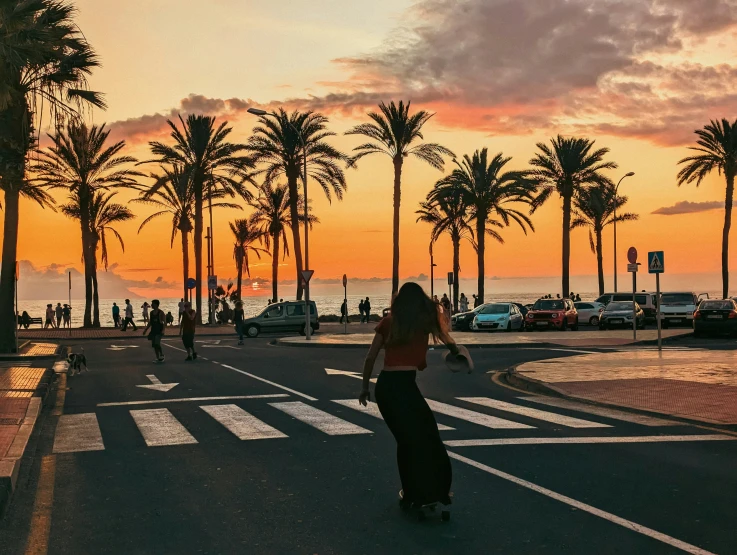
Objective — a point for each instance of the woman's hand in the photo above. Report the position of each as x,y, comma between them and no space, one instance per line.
364,397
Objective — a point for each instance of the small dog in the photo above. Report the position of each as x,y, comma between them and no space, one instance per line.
77,363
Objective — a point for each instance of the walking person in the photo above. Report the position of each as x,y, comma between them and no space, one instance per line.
49,321
128,316
360,311
58,313
157,325
367,309
344,312
187,330
181,310
445,301
66,314
238,317
116,315
463,303
424,466
144,312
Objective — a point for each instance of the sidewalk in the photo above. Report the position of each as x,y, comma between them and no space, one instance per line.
24,383
592,338
697,385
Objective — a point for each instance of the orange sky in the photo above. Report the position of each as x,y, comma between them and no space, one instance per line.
286,51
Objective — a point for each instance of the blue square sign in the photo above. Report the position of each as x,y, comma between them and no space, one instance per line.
656,262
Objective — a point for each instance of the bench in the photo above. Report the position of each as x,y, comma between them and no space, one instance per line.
32,321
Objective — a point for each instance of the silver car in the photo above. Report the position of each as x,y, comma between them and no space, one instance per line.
620,314
280,317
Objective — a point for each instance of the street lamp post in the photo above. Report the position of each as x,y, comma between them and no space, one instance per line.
432,272
308,326
630,174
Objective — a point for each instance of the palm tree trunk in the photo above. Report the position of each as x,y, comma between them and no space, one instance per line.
395,229
600,260
294,216
185,263
725,235
456,269
7,273
198,247
87,260
95,298
239,279
566,244
481,245
275,268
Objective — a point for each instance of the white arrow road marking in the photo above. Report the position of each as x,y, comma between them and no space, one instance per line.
157,385
121,347
357,375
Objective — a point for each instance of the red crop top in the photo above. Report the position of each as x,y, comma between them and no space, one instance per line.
411,354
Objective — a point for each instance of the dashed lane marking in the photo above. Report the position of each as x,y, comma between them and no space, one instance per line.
584,440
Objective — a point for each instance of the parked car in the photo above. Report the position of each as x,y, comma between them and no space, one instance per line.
648,302
620,314
676,309
286,316
463,320
715,317
522,308
589,312
498,316
552,313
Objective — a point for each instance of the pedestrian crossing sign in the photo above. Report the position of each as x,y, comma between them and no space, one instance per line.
656,262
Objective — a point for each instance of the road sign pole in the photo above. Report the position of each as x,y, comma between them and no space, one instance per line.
634,306
657,311
345,300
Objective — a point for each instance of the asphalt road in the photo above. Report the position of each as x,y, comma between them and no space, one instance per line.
303,490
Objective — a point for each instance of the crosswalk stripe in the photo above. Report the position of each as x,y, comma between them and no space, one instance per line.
553,417
476,417
78,432
373,410
323,421
241,423
160,427
614,414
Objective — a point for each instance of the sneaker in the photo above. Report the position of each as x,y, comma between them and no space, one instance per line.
240,343
162,359
194,356
188,358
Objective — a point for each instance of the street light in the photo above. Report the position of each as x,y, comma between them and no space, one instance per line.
264,113
630,174
432,271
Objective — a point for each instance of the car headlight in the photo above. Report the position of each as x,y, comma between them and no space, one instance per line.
554,315
529,316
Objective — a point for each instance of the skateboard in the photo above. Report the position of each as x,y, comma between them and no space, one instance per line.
424,511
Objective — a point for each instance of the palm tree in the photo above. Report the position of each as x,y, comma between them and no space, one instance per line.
80,161
245,235
485,189
272,217
446,214
594,207
277,143
566,166
717,148
212,162
395,133
45,62
101,215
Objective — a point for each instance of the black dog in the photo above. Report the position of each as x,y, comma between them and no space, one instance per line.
77,362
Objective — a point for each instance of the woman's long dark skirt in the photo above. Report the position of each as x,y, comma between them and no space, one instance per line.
424,466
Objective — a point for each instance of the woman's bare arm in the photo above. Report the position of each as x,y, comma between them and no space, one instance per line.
368,366
449,342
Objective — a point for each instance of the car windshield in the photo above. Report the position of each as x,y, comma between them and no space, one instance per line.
621,305
677,298
716,305
548,305
495,309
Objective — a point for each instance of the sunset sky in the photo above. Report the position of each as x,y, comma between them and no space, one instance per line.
636,75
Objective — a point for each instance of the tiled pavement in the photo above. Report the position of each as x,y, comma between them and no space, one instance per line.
696,384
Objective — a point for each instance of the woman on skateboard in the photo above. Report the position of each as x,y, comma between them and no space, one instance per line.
424,466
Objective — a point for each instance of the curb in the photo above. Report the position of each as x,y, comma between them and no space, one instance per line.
512,379
10,464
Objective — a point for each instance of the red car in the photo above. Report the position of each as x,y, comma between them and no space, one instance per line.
558,314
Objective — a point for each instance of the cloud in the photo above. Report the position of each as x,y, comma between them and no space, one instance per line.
686,207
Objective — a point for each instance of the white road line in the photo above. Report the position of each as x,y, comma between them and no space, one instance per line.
639,528
159,427
189,399
323,421
373,410
255,377
553,417
476,417
243,424
78,432
614,414
579,440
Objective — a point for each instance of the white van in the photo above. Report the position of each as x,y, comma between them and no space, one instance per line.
677,308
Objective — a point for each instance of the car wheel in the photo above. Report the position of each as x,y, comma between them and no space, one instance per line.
252,331
594,321
574,327
302,330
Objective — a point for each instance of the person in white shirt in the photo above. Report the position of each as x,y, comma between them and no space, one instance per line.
49,317
128,316
144,312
